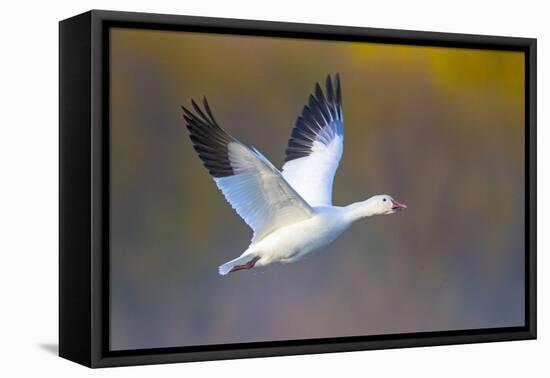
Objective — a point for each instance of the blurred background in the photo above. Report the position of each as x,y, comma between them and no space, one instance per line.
440,129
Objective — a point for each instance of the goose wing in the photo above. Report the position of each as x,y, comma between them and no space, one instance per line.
250,183
316,145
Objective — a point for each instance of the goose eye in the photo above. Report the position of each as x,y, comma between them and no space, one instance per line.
384,200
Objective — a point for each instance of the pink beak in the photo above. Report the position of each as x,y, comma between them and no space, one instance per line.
397,205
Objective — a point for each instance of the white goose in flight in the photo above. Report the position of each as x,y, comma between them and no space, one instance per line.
290,212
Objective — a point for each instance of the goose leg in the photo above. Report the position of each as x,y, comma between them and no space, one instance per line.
248,265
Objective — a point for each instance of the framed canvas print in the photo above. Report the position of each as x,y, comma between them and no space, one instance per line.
233,188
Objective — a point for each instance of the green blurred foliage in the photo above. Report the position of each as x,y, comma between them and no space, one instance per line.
441,129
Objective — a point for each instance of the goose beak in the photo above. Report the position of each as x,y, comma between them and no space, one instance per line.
397,205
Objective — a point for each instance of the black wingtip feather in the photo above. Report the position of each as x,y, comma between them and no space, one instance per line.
208,111
209,139
321,119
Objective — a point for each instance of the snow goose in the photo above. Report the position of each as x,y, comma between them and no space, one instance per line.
290,211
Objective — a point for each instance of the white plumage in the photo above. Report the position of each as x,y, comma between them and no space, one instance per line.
291,213
259,194
312,176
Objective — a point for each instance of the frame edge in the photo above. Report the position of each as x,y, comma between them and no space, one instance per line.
74,189
531,170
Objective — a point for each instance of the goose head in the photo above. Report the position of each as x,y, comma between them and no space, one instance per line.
384,204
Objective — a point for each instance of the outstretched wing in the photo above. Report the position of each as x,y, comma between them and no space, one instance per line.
316,145
249,182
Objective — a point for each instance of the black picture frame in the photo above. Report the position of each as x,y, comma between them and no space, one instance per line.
84,188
